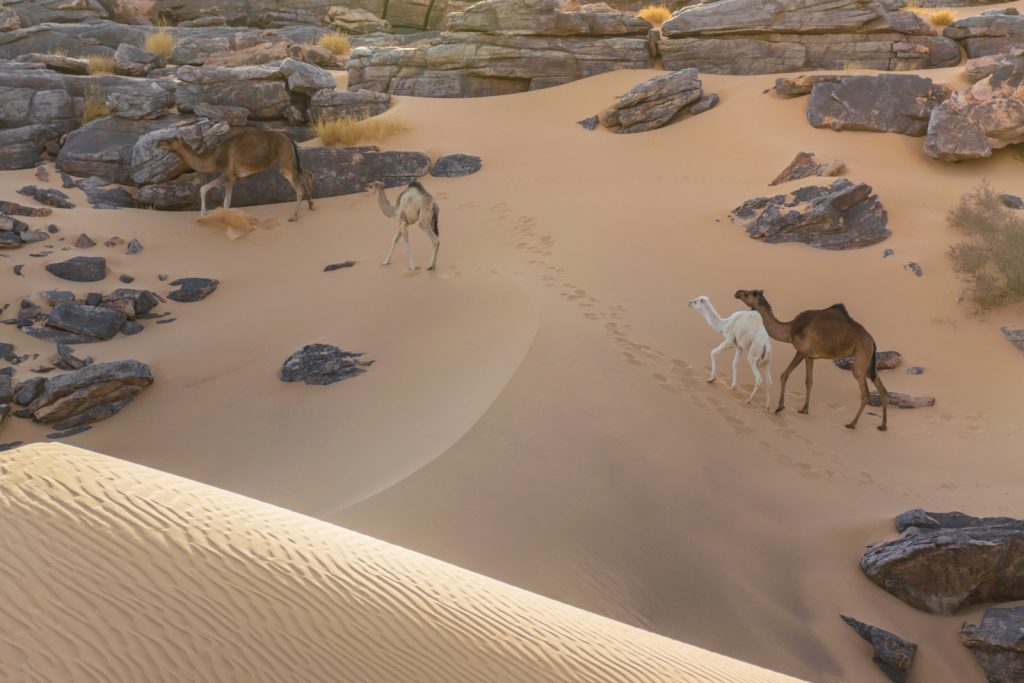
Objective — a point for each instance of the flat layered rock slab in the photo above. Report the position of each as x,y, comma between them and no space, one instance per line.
322,364
889,103
657,102
843,215
80,269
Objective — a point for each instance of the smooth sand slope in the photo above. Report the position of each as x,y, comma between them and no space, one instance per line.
538,411
117,572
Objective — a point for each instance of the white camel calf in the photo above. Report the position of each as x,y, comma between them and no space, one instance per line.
744,330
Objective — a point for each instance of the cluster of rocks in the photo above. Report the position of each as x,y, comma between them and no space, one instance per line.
497,47
843,215
944,562
657,102
73,399
989,33
96,317
15,233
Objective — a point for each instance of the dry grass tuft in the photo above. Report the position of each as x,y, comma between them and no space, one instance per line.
991,259
942,17
95,107
101,64
656,15
336,43
160,43
349,131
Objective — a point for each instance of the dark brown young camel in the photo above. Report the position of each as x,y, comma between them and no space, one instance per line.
245,152
829,333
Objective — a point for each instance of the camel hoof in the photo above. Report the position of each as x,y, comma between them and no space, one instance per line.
293,219
711,379
882,428
385,263
431,268
851,426
804,411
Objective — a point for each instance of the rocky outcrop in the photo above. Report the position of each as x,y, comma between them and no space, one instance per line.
987,116
988,34
92,394
338,104
893,655
151,165
944,562
355,20
806,165
983,67
998,643
322,364
888,103
498,47
752,37
105,147
409,14
337,171
133,61
843,215
657,102
262,90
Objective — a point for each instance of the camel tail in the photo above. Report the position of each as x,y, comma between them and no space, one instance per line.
433,220
872,370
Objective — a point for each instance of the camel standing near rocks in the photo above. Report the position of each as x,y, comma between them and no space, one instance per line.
829,333
744,330
414,205
245,152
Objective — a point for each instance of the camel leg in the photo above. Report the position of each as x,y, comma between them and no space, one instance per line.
735,366
426,217
216,182
757,378
809,363
883,394
724,346
227,194
433,255
408,246
768,386
307,179
398,236
289,175
862,381
785,376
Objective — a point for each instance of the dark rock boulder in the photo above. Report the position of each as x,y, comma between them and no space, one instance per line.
105,147
67,360
841,216
988,34
885,360
654,103
306,78
455,166
57,62
80,269
260,89
192,289
322,364
152,165
983,67
893,655
998,643
797,86
338,104
133,61
806,165
904,401
48,196
889,103
132,302
94,393
93,321
941,569
337,171
1015,337
16,209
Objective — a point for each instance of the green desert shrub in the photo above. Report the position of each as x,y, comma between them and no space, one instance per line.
991,258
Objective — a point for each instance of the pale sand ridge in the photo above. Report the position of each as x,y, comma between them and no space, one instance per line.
117,572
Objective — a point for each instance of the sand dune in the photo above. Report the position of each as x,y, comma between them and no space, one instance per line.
538,411
116,572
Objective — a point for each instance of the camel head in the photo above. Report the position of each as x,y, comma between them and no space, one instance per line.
699,301
374,185
752,298
173,145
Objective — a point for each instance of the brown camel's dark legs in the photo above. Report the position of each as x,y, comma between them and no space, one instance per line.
860,375
809,380
785,376
884,395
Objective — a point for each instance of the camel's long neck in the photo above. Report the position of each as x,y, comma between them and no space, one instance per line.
197,162
385,205
711,315
776,330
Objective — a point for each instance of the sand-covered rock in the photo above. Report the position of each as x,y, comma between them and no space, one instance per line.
1014,336
893,655
656,102
47,195
93,321
843,215
752,37
455,166
974,122
889,103
901,400
322,364
950,562
998,643
94,393
498,47
80,269
806,165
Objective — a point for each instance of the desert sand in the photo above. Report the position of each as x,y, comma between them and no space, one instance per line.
140,575
538,411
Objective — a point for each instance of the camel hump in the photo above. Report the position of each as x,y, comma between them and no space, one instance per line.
840,307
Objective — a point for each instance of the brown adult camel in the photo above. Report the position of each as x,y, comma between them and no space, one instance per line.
242,153
829,333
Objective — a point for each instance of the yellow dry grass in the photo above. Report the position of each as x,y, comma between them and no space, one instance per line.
101,64
336,43
94,107
656,15
350,131
942,17
160,43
